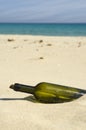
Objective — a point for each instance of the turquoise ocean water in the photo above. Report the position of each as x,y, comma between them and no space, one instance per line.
49,29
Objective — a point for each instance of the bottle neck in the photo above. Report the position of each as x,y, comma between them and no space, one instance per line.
23,88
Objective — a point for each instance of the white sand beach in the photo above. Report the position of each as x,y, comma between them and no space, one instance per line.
32,59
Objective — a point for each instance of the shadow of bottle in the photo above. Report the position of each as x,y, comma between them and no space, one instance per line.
28,98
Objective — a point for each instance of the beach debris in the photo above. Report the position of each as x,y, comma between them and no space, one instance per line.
49,44
41,57
25,40
37,49
10,40
79,44
15,47
41,45
40,41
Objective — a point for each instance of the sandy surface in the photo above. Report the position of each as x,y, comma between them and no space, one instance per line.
33,59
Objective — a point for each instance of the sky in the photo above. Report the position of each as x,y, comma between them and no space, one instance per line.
43,11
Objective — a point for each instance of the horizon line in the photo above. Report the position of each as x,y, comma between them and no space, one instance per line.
43,22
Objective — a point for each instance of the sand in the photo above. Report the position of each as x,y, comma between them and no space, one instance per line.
32,59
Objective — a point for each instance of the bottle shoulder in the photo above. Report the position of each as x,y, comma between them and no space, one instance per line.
43,85
40,85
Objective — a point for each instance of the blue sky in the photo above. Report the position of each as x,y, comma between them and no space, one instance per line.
43,11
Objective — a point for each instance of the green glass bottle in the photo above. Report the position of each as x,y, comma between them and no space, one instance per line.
50,93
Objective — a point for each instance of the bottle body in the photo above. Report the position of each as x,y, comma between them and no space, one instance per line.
53,93
50,93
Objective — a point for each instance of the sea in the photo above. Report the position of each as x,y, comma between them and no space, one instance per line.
45,29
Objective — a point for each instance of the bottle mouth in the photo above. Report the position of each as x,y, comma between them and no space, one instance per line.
15,86
11,86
